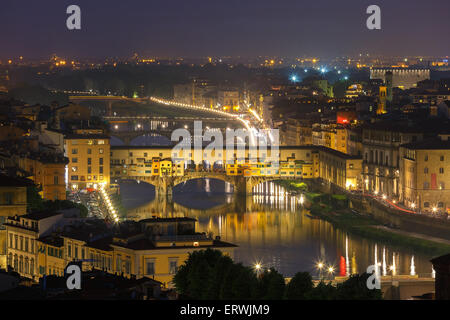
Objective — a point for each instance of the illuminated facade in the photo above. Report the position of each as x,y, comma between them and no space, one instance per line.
381,165
402,78
89,160
425,175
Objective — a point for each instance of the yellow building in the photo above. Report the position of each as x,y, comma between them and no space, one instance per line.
156,166
13,201
89,160
165,168
425,175
153,248
340,169
22,234
47,171
50,256
159,256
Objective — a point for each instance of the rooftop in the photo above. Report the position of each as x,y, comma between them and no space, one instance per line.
429,144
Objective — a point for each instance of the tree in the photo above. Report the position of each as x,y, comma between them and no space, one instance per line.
34,199
355,288
299,286
323,291
208,274
271,285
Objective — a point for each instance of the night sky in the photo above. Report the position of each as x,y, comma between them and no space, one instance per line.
36,29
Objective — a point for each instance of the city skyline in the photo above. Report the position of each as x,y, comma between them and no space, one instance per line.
247,29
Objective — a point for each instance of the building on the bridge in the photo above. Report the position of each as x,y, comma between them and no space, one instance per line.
89,159
165,167
425,175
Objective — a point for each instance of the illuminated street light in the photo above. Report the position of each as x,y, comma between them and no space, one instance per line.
384,197
434,209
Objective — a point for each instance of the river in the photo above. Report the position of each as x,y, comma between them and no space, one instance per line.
272,229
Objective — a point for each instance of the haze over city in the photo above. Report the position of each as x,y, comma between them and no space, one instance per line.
229,28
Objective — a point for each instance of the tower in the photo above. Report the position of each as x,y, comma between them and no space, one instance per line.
388,83
382,100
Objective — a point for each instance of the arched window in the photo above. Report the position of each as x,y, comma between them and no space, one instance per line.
32,266
10,259
26,266
16,262
21,264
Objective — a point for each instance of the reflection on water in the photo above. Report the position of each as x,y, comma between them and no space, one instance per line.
272,227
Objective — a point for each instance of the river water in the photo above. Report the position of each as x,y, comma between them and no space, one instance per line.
272,229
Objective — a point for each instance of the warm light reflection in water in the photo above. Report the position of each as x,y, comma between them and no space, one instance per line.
272,227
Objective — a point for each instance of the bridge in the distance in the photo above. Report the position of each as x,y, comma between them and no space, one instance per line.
108,99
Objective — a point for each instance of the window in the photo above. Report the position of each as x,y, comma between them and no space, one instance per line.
442,158
11,240
173,267
426,204
74,151
55,180
74,160
89,161
425,170
89,151
100,150
74,169
426,158
101,141
101,170
9,197
441,170
89,169
69,250
101,161
426,185
150,268
440,205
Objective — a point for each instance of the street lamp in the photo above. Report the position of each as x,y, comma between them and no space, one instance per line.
320,267
330,271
